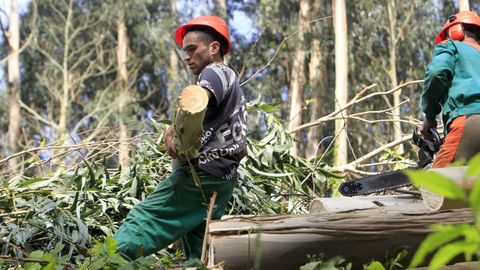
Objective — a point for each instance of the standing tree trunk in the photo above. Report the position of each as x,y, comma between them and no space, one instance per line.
317,82
14,85
392,46
174,77
66,78
463,5
298,74
314,79
221,9
123,99
341,78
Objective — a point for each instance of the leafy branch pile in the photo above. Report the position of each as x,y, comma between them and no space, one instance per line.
65,219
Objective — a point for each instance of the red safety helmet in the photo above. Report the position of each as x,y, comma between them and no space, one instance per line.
453,27
214,22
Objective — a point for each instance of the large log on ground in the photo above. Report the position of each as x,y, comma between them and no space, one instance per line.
188,122
283,242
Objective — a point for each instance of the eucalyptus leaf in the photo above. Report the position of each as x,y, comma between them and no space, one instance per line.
436,183
474,197
375,266
435,240
268,108
270,174
474,166
449,251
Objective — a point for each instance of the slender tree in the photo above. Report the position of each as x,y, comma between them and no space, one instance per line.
463,5
221,9
392,46
318,80
298,76
341,78
14,82
174,80
124,95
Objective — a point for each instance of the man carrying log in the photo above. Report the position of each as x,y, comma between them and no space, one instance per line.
178,207
452,85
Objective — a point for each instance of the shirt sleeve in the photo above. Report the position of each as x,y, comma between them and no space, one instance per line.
214,80
438,79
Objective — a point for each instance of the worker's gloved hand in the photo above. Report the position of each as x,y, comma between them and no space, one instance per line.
170,144
428,124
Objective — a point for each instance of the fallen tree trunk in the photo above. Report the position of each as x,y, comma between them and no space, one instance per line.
284,242
188,122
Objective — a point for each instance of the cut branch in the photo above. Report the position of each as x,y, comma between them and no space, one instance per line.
352,102
351,166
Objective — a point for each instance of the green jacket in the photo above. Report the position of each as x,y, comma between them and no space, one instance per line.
452,82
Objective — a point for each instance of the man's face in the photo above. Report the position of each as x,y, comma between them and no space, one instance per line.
197,54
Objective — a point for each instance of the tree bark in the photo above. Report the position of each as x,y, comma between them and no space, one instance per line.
297,82
392,46
174,77
221,9
360,236
463,5
317,80
124,96
341,78
66,77
14,85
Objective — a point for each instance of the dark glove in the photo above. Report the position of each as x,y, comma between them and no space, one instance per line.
427,125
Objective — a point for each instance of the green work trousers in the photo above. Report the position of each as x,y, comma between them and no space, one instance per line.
176,209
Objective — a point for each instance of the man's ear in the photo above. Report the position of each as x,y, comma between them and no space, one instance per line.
215,47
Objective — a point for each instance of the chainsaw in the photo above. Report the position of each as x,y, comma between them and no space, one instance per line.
396,179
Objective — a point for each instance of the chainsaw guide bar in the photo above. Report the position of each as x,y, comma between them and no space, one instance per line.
375,183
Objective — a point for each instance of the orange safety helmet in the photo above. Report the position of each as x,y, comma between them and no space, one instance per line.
453,27
214,22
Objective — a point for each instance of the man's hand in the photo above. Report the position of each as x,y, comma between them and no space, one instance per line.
170,144
428,124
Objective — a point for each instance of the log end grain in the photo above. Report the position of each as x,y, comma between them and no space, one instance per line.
193,99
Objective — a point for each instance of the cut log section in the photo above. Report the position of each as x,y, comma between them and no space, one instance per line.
188,123
436,202
360,236
392,203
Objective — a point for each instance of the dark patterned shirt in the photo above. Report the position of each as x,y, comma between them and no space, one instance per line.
223,143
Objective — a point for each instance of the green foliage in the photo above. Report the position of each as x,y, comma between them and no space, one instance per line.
398,261
321,263
199,265
273,181
437,183
47,261
77,206
375,266
450,241
104,256
76,197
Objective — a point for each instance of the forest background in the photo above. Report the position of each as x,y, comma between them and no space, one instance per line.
89,87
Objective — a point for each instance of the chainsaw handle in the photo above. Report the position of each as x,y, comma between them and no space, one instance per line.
429,145
436,137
